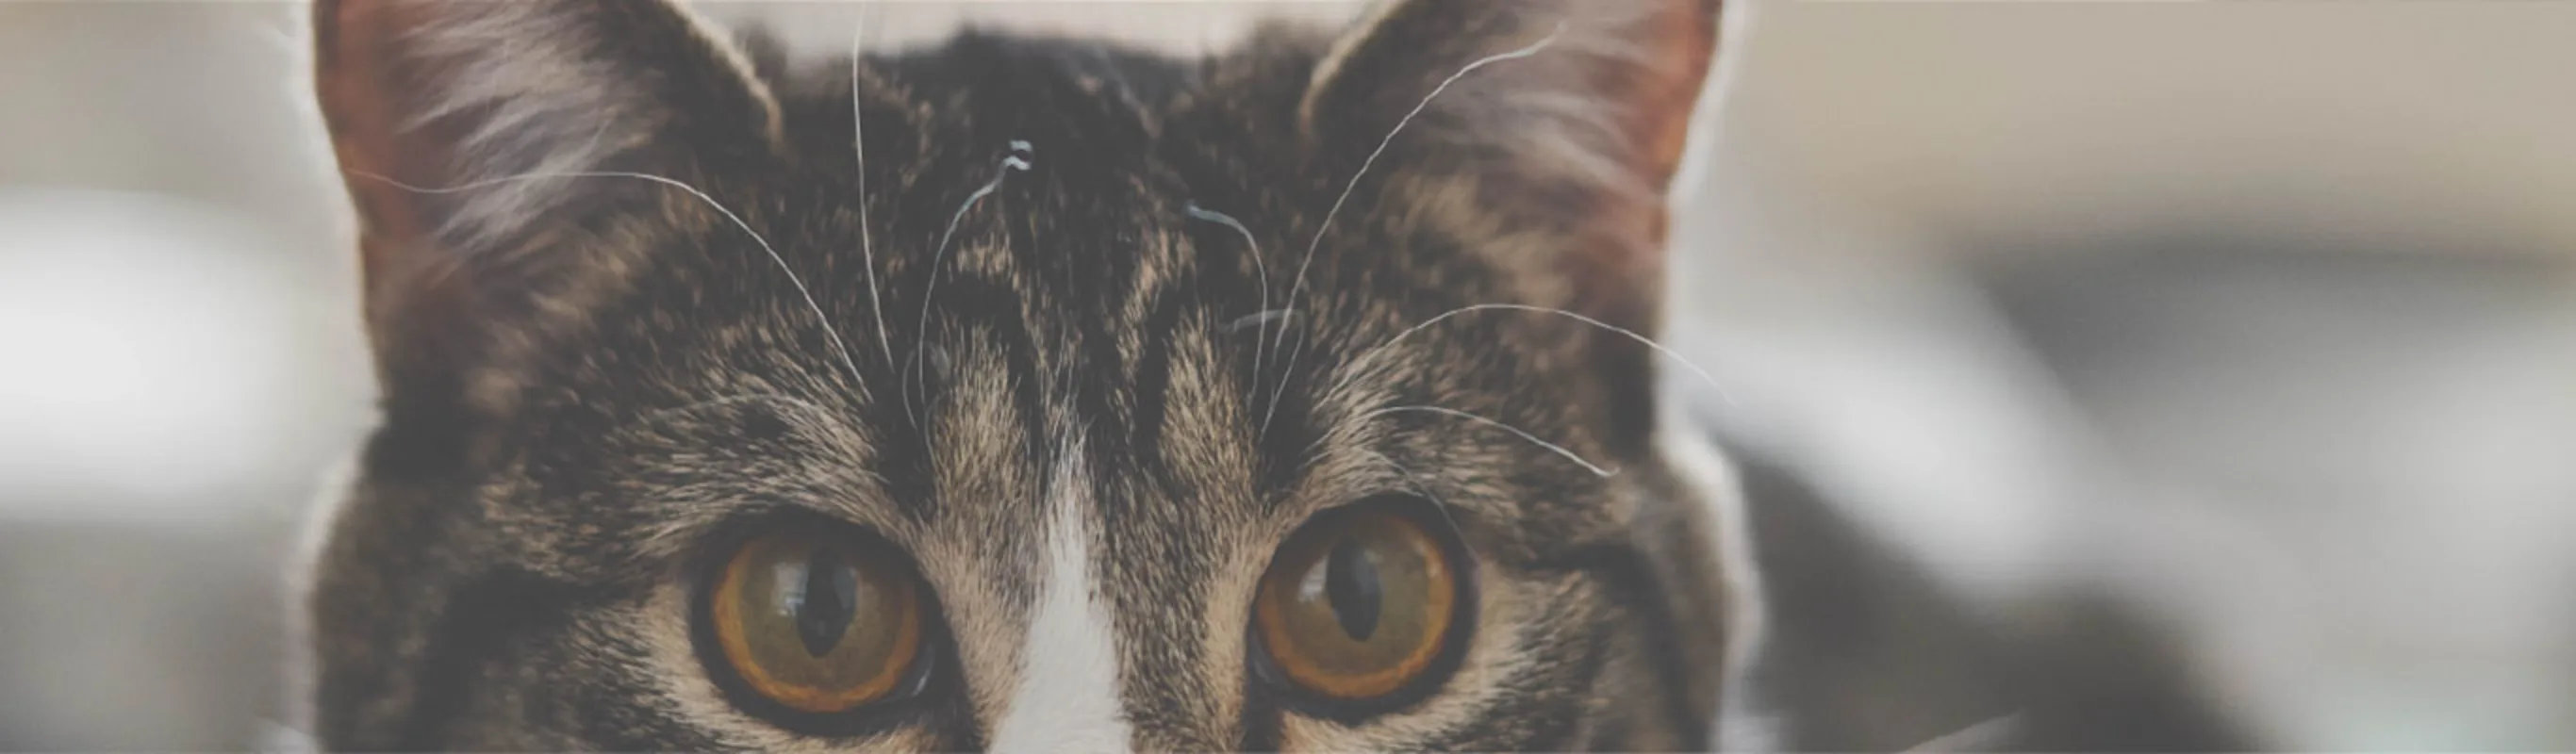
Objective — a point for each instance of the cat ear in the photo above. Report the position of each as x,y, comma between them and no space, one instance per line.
1569,115
454,124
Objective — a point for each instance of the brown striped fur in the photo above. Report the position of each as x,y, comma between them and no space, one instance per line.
588,381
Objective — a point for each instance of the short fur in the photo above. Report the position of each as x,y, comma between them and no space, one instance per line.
590,380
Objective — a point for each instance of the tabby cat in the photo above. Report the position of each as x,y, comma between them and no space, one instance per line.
1020,393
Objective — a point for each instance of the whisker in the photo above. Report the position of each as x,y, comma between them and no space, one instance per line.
284,737
1414,480
726,401
859,145
1352,371
1985,734
1408,474
838,344
1336,210
1010,162
1524,434
1263,315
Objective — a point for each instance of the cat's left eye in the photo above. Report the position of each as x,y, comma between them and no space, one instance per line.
1363,606
816,623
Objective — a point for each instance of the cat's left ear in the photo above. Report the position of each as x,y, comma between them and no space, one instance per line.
1569,117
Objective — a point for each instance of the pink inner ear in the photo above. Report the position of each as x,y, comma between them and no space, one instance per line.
1684,47
1619,276
424,301
1640,63
353,80
361,102
444,115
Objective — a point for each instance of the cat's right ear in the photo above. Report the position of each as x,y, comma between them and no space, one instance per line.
456,126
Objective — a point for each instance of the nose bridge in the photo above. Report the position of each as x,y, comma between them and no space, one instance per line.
1190,544
1068,696
1180,599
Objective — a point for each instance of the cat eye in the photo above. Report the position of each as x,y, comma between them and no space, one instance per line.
815,622
1364,605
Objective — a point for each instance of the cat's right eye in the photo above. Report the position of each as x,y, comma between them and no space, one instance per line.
815,623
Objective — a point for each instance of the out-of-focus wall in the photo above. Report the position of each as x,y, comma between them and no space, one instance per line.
2255,314
2260,315
177,366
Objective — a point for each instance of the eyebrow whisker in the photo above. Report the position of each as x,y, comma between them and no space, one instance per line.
1351,370
1983,735
658,415
859,146
1262,316
1560,450
1414,480
838,344
1354,184
1010,162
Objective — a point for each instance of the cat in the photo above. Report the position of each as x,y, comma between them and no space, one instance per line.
1019,392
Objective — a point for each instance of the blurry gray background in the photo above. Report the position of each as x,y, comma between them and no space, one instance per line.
2256,322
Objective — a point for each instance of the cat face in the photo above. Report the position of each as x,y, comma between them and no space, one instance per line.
1015,393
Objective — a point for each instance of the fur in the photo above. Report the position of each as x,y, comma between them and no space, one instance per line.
593,378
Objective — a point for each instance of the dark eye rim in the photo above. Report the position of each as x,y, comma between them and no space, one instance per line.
1273,682
912,702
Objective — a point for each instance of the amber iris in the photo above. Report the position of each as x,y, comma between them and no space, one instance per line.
816,624
1357,605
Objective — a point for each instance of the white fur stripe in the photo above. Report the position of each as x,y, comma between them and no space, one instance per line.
1068,694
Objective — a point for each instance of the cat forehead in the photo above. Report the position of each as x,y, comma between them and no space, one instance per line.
1003,204
1024,247
830,31
1040,164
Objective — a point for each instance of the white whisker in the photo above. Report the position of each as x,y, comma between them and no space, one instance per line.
819,317
1408,474
1263,315
1336,210
1991,733
859,145
1414,481
726,401
1352,371
1524,434
1010,162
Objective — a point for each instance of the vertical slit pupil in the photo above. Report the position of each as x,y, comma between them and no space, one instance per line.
831,596
1351,586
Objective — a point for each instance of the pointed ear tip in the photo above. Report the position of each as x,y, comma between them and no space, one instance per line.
348,26
331,17
327,16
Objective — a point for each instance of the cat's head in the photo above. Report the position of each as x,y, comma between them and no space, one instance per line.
1291,397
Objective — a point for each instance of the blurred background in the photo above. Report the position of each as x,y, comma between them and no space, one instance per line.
2122,375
